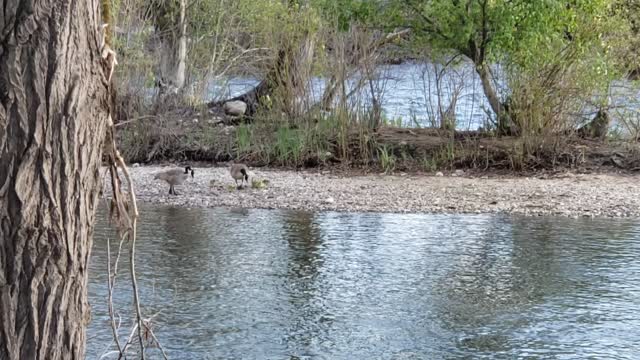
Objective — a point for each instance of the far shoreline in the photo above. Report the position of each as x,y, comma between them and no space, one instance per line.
594,195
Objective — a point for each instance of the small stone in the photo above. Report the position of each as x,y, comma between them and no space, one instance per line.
135,165
439,174
329,200
459,172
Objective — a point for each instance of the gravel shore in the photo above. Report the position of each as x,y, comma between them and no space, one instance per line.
573,195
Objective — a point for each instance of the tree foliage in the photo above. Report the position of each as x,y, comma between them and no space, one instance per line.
522,35
518,31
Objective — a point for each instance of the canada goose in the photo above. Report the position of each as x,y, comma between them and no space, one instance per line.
174,177
239,172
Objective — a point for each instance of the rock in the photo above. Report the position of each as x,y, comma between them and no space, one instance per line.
235,108
329,200
439,174
459,172
135,165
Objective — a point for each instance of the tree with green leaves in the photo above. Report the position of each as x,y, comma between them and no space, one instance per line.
519,33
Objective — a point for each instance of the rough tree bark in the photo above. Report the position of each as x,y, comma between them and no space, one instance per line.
53,115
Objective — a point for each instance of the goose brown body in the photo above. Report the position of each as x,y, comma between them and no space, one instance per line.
174,177
239,172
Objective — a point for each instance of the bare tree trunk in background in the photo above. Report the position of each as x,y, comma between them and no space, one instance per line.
295,83
53,116
172,52
181,63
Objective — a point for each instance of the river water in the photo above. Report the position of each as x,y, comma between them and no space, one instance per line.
264,284
410,94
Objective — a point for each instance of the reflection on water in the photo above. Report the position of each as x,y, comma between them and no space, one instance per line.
258,284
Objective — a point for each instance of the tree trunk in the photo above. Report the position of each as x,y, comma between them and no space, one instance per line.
172,51
181,63
265,88
598,127
53,101
286,83
505,123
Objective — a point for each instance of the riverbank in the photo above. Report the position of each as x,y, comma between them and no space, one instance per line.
564,194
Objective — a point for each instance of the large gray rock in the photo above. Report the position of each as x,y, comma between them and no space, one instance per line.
235,108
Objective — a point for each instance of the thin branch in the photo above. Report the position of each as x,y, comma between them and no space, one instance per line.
111,280
126,216
233,60
132,248
434,29
130,338
134,119
153,336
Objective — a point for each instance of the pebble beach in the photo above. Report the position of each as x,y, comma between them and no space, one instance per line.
566,194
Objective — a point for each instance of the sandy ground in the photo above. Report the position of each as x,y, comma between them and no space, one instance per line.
591,195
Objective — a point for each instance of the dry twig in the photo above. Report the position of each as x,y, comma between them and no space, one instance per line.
124,211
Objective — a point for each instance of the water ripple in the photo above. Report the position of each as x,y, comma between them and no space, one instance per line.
279,284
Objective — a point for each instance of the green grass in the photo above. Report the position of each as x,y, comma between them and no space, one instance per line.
243,139
387,159
288,145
